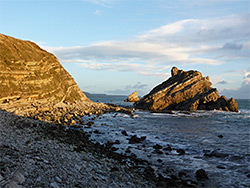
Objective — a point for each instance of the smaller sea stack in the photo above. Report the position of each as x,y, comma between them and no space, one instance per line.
188,91
133,97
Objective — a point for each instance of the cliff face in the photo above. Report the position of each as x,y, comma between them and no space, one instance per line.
186,91
29,72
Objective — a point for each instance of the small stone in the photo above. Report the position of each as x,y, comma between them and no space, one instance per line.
124,133
114,148
157,146
128,151
221,167
19,178
117,142
159,160
114,169
201,174
97,132
180,174
90,123
39,179
168,148
1,177
158,151
13,184
59,180
134,139
180,151
54,185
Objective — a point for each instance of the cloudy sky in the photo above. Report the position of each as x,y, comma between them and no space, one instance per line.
119,46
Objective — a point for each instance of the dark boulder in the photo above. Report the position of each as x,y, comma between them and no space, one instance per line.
201,174
134,139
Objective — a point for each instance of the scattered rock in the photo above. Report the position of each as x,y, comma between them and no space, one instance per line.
114,169
181,174
216,153
59,180
168,148
220,136
134,139
201,174
159,160
90,123
117,142
97,132
124,133
54,185
157,146
221,167
180,151
18,177
158,151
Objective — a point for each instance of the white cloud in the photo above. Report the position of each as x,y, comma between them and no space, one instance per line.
242,92
183,42
128,89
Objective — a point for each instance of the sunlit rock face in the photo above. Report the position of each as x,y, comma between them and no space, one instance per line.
186,90
133,97
28,72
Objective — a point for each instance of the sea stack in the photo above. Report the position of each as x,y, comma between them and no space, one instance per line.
133,97
188,91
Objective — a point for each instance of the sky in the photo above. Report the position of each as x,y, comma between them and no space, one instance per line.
122,46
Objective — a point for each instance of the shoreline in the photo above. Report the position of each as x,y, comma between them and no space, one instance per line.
22,138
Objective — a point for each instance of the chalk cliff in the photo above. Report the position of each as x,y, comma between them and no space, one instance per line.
186,90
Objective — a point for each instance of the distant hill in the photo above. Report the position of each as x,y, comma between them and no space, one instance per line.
89,95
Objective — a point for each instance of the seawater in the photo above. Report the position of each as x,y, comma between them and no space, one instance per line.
198,133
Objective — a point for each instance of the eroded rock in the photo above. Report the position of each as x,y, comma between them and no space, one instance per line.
188,91
133,97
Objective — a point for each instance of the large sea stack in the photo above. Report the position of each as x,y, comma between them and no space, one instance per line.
188,91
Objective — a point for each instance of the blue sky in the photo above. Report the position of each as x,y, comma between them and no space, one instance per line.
119,46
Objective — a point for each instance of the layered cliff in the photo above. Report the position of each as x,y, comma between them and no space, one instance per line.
29,72
186,91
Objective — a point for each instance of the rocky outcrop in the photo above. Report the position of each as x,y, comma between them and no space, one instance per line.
29,72
133,97
34,84
186,90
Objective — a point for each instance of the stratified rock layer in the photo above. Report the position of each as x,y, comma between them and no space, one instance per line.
34,84
133,97
29,72
186,91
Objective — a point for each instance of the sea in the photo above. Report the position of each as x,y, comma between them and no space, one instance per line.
216,141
